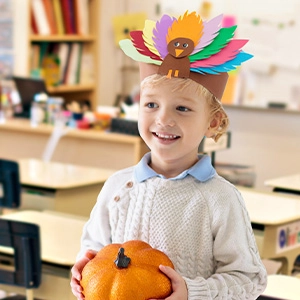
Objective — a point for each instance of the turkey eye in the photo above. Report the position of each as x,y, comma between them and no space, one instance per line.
185,45
176,44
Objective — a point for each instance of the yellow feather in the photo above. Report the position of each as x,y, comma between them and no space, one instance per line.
188,26
148,36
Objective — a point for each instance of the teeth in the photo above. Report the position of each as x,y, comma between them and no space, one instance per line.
166,136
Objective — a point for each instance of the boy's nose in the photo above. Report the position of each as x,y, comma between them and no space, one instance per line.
165,119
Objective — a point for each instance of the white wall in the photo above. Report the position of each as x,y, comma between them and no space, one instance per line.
268,141
20,40
112,80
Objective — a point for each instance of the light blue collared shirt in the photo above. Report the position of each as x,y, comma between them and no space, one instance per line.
202,170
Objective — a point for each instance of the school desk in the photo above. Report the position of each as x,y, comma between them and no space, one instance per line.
60,242
288,184
283,287
90,147
60,187
275,220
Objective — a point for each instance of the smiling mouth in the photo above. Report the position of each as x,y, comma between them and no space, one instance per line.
166,137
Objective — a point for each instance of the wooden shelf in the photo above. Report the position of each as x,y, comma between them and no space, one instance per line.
70,88
62,38
89,42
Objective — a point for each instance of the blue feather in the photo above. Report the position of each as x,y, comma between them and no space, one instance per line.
226,67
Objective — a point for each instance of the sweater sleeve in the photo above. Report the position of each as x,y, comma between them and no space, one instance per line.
97,232
240,273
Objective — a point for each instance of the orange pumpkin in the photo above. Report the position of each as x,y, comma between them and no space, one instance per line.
126,271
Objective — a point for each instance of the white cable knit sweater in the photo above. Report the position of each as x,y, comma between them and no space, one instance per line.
202,226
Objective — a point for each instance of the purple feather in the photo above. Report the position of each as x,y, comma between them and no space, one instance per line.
160,33
210,31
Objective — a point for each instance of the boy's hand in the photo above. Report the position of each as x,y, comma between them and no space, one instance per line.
178,284
76,273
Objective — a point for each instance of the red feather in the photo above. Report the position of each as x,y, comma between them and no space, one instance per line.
139,44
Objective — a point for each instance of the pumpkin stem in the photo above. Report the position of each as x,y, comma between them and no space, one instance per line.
122,260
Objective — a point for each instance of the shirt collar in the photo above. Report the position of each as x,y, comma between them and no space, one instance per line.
202,170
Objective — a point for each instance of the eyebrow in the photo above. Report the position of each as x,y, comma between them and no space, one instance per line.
150,94
188,99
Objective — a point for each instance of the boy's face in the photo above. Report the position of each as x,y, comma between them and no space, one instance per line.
172,123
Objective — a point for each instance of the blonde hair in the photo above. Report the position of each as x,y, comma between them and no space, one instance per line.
216,109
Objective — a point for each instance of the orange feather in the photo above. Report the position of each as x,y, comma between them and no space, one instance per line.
188,26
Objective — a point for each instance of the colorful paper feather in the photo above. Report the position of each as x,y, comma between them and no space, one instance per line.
148,36
159,35
182,28
220,41
226,54
215,49
138,43
211,29
226,67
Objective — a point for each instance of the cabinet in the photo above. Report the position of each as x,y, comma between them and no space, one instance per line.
80,88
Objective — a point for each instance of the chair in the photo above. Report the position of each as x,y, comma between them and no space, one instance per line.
21,237
10,186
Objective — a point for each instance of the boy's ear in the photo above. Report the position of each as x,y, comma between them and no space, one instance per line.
214,125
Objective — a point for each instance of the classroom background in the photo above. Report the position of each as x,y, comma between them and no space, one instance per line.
268,85
94,89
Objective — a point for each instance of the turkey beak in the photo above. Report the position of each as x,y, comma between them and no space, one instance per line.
178,52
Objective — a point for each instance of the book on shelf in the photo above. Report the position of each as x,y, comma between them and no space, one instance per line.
71,6
73,64
40,17
58,16
49,9
34,28
35,57
62,63
81,8
87,67
63,55
66,6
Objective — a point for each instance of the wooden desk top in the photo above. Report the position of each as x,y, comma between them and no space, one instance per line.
271,208
283,287
56,175
291,182
60,235
23,125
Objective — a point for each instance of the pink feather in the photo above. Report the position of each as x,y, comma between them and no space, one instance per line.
228,53
210,31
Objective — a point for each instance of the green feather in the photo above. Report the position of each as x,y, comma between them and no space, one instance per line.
220,41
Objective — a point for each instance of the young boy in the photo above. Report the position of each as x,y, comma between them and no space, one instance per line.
174,199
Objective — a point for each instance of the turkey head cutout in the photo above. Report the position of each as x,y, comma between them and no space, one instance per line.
177,63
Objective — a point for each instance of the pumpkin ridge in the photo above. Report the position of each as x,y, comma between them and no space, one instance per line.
140,280
102,283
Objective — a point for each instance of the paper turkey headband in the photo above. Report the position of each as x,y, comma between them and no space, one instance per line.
187,47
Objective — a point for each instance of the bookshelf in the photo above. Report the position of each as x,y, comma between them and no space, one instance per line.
49,41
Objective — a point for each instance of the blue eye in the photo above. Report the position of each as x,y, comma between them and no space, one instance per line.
185,45
176,44
151,105
182,108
